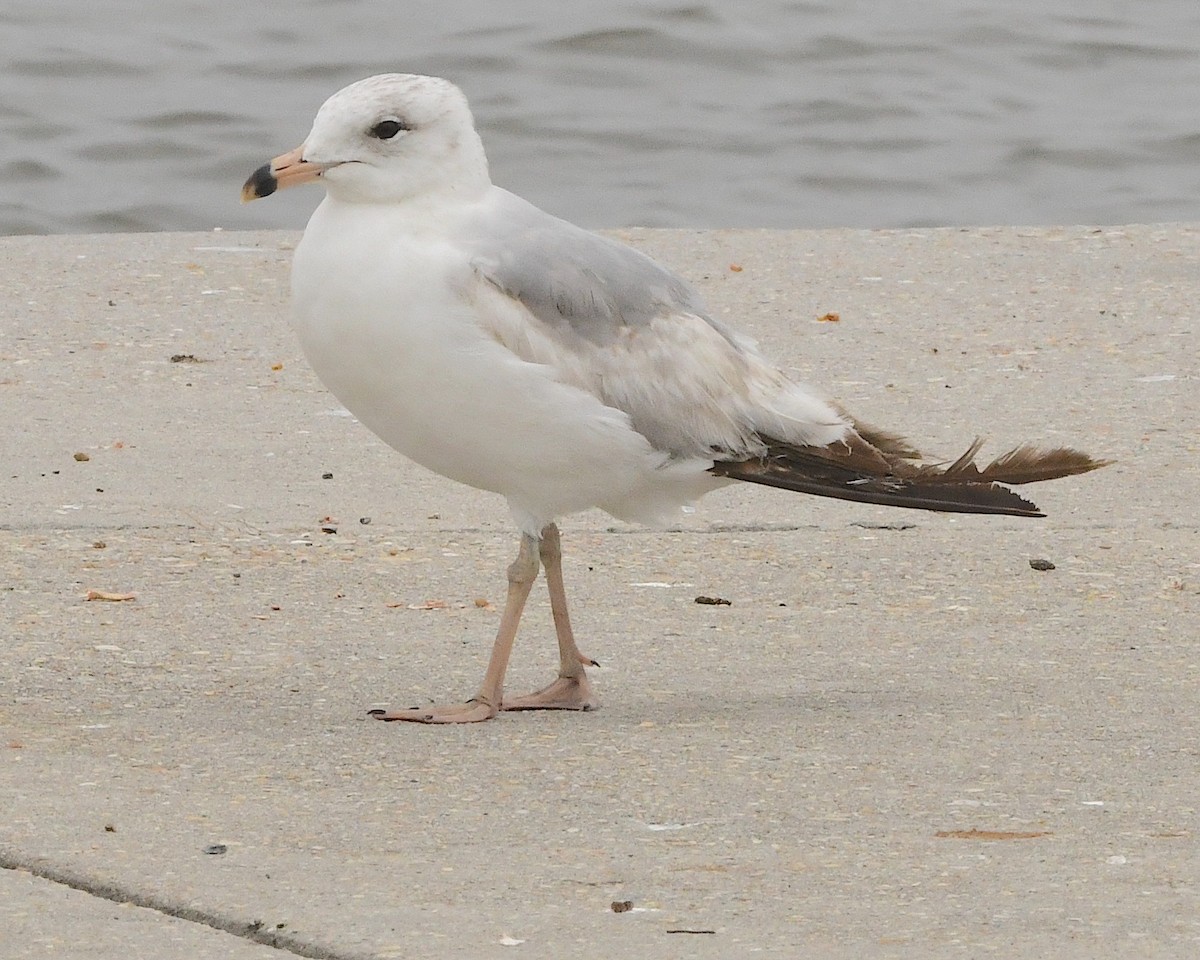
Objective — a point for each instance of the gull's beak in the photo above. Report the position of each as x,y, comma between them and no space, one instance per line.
286,170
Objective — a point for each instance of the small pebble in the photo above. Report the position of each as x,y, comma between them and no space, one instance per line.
1041,564
622,906
82,457
215,849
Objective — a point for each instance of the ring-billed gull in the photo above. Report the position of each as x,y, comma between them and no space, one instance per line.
507,349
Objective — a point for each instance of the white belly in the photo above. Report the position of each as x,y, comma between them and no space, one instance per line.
401,348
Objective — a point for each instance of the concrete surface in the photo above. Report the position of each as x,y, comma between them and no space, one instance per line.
899,740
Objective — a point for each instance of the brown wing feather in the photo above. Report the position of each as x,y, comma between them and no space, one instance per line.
857,469
1030,464
885,441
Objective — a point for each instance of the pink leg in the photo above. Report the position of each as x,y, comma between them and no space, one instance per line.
485,704
571,691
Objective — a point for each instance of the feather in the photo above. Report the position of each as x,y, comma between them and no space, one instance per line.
856,469
886,442
1029,464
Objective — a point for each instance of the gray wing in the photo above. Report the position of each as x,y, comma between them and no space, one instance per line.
568,277
611,321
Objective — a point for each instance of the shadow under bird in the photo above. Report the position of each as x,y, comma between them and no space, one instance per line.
512,351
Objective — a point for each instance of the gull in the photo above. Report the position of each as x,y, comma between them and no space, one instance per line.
512,351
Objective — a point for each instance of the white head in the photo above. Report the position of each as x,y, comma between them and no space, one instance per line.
385,139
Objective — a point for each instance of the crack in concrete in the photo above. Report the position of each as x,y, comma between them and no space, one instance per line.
255,931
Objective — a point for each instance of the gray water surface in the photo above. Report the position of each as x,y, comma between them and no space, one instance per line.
122,115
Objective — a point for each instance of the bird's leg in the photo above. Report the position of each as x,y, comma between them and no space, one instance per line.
572,661
485,704
571,691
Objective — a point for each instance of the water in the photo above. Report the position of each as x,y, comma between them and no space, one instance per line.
128,115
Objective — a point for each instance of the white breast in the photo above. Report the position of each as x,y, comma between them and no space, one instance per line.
384,315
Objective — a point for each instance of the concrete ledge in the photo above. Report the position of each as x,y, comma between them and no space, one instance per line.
898,740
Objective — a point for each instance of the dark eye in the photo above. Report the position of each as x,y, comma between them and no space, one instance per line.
386,129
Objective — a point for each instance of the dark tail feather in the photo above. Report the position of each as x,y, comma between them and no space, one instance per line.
858,470
1024,464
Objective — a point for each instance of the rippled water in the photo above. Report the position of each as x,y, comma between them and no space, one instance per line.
122,115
